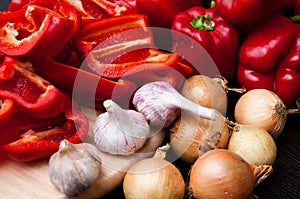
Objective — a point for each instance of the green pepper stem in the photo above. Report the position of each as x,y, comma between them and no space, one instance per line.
203,22
295,18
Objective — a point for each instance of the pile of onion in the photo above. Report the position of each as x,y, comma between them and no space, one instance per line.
221,173
192,136
262,108
154,178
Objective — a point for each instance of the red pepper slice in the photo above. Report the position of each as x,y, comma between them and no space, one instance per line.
86,85
130,63
113,35
6,68
35,30
6,110
40,142
31,93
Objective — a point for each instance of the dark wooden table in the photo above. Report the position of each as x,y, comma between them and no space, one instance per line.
284,183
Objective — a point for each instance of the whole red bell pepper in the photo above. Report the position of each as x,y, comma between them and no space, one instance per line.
216,36
36,138
6,110
246,11
162,12
35,30
269,58
30,92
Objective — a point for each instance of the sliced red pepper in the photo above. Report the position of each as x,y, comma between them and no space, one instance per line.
87,85
31,93
35,30
6,68
6,110
113,35
130,62
38,143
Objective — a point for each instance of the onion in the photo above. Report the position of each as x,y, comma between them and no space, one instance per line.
221,173
154,178
254,144
262,108
192,136
205,91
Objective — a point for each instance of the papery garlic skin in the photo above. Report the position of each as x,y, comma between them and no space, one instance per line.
75,167
161,104
262,108
119,131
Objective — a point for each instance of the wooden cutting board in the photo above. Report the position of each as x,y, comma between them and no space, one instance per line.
31,180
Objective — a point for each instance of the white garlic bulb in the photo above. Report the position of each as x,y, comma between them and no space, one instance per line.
161,104
74,167
120,131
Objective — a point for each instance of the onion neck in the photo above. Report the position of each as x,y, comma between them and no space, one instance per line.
262,172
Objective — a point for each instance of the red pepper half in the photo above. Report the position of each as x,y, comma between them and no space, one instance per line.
35,142
35,30
31,93
6,110
216,36
269,58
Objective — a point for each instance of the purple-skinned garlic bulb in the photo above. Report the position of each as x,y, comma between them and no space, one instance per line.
161,103
120,131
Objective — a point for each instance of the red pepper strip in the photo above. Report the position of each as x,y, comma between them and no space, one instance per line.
131,62
31,93
87,85
35,30
6,110
113,35
6,68
35,144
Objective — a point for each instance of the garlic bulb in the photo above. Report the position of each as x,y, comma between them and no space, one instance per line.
262,108
120,131
74,167
161,103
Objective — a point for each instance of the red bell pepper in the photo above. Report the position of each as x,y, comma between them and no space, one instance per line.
34,30
6,110
269,58
7,68
216,36
246,11
39,138
84,85
162,12
290,8
31,93
132,32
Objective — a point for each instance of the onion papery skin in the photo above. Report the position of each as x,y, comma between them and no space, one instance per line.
153,178
262,108
221,174
193,136
205,91
253,144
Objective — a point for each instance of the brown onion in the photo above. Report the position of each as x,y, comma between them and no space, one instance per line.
205,91
262,108
223,174
192,136
254,144
154,178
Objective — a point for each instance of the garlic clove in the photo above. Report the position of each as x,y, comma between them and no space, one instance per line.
74,167
161,103
120,131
